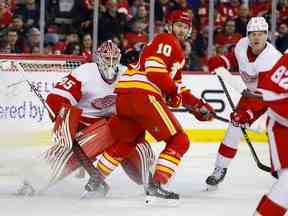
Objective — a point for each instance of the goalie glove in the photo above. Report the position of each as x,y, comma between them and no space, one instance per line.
241,118
201,110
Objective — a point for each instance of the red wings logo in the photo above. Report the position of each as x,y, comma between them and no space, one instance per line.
247,77
105,102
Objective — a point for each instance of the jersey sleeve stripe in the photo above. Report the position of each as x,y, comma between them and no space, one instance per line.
65,94
138,84
153,63
132,72
226,60
157,70
157,59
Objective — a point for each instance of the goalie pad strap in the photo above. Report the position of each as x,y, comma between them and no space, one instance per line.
139,163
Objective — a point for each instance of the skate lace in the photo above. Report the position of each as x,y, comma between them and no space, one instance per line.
218,172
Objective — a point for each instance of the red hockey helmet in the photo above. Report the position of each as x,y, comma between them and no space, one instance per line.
179,16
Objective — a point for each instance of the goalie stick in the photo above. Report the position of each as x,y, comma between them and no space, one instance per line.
82,157
246,137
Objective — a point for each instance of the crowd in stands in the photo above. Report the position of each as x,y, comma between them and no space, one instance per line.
69,26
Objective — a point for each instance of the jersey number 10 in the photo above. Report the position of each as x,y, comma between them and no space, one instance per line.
165,49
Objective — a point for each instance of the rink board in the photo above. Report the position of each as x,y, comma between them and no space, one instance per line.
24,119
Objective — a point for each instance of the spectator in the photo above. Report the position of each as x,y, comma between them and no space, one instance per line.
33,40
30,13
142,15
162,8
73,48
159,27
282,39
61,13
83,22
86,49
10,43
203,13
228,36
282,7
116,21
5,16
261,7
134,8
242,20
70,37
18,25
137,35
229,9
182,5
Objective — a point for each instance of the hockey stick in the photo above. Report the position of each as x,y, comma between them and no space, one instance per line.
222,119
82,157
246,137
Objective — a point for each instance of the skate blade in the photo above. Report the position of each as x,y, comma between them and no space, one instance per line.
211,188
92,194
156,201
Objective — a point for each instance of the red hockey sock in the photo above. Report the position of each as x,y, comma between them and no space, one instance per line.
267,207
227,151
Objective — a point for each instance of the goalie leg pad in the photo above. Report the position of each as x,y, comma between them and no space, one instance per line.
64,131
139,164
93,140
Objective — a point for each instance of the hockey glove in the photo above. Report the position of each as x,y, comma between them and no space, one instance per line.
201,110
215,62
174,100
241,118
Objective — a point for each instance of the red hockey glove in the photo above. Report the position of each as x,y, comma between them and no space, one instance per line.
202,110
174,100
215,62
241,118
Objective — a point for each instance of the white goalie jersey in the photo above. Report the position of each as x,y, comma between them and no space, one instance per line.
86,89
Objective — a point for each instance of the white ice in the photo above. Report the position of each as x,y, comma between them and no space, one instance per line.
238,195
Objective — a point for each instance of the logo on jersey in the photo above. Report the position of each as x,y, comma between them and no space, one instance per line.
247,77
177,66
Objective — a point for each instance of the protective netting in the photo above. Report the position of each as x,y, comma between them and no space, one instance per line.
40,63
9,84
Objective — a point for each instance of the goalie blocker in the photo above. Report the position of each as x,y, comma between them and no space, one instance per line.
93,139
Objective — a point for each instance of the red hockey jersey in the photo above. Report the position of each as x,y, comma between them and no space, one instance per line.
274,87
158,69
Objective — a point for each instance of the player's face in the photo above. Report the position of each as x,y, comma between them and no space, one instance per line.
257,41
180,30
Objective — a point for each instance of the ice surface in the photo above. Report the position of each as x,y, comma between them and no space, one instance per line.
238,195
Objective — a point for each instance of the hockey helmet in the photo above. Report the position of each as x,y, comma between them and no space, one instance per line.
257,24
107,59
179,16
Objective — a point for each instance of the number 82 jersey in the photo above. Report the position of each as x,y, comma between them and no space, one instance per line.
273,85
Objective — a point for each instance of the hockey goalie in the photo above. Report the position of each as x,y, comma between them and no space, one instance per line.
83,102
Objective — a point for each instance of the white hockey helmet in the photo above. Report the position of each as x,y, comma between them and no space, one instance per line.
257,24
107,59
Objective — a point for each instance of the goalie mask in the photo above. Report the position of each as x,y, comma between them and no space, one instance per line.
107,58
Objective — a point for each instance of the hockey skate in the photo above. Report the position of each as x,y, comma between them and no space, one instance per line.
155,193
95,187
215,178
26,189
